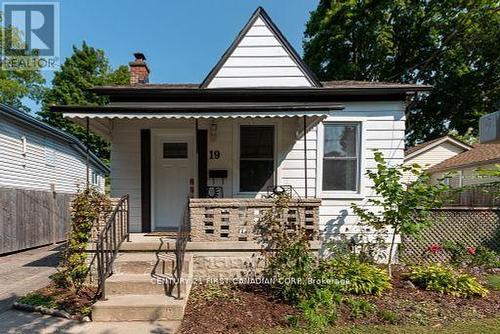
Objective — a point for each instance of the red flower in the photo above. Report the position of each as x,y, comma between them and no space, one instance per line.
471,250
434,248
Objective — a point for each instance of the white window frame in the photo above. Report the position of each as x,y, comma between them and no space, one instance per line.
236,153
342,194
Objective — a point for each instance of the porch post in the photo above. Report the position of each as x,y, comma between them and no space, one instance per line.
305,155
87,138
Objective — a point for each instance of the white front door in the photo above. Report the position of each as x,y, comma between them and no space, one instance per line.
173,170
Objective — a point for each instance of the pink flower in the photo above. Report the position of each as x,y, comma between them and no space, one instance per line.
434,248
471,250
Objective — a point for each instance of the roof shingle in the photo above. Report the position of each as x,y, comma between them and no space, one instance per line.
480,154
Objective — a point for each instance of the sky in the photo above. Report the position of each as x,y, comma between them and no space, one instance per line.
182,39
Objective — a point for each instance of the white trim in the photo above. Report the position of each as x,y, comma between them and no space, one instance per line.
155,132
236,153
445,139
361,135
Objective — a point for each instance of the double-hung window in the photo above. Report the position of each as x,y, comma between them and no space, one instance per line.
341,157
256,157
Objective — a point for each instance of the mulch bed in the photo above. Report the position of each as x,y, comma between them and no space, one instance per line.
246,309
241,310
69,301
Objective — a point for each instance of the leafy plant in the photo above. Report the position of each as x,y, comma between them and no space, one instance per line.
289,260
352,276
388,315
86,208
321,308
38,299
359,307
462,255
494,281
405,208
444,279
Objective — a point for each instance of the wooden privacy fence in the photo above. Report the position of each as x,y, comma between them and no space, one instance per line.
469,226
480,195
31,218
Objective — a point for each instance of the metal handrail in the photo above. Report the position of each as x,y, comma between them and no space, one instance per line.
109,241
183,233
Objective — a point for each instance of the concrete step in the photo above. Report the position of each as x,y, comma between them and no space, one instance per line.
146,263
139,308
142,284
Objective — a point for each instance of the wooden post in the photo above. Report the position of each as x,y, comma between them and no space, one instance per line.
305,155
53,212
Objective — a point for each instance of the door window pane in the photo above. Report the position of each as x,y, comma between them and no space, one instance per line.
175,150
256,157
341,157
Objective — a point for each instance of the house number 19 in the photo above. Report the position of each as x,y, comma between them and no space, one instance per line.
214,155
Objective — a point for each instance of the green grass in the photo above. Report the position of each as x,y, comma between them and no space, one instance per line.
484,326
493,282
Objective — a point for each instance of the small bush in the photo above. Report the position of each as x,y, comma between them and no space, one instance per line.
289,260
354,276
359,307
445,280
389,316
463,255
321,309
493,282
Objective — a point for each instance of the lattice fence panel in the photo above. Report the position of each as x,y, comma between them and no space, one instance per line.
469,226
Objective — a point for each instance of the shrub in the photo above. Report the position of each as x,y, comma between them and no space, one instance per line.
286,247
444,279
463,255
87,206
321,309
389,316
353,276
359,307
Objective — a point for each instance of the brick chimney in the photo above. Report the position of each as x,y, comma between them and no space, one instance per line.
139,70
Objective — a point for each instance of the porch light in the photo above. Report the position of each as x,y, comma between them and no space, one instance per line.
213,130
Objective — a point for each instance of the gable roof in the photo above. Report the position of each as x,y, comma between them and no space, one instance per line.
51,131
425,146
480,154
258,17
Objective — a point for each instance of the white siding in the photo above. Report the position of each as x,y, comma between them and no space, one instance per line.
259,60
382,128
47,160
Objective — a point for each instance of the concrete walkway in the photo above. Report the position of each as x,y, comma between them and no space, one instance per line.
15,322
26,271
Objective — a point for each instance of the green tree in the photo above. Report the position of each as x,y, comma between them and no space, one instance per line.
87,67
404,207
451,45
17,84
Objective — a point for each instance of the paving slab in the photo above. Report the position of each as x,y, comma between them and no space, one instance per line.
26,271
16,322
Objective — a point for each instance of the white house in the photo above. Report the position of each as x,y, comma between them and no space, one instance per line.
36,156
241,131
